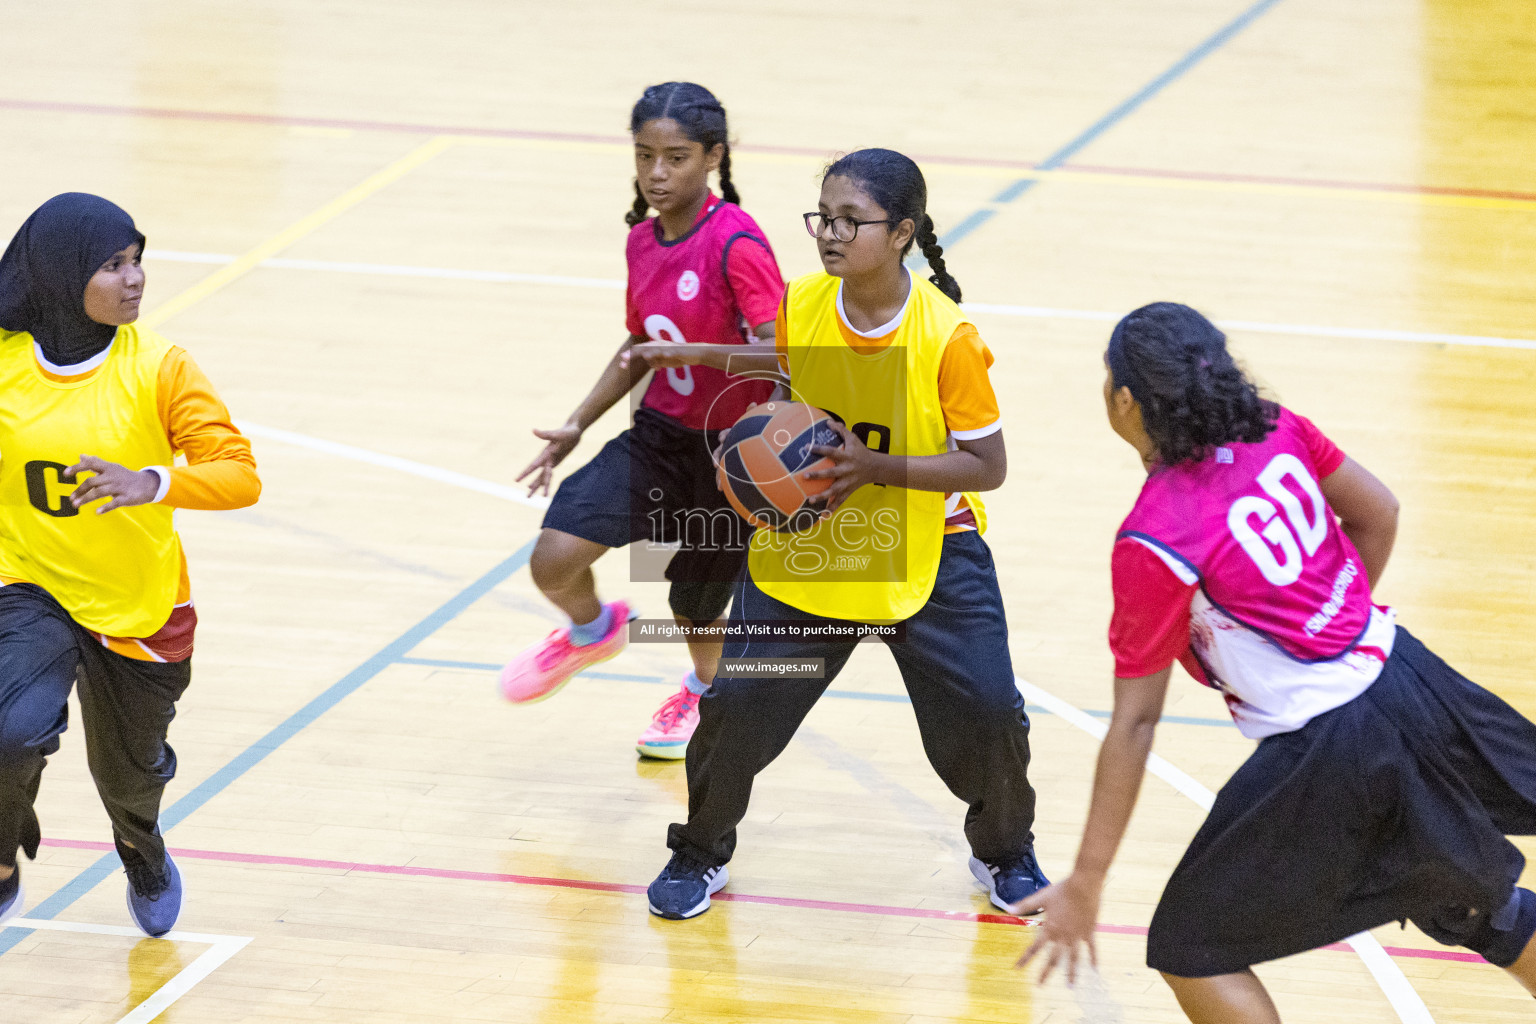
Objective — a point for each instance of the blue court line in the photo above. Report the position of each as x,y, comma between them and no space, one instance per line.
890,698
390,654
1179,68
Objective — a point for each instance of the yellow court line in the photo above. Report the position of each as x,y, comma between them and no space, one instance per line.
291,234
1128,179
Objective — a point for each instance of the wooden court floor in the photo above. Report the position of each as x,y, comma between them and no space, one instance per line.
392,234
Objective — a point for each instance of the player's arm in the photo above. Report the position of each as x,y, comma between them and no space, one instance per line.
752,275
617,380
1072,906
1367,512
758,358
979,464
1148,631
220,473
980,461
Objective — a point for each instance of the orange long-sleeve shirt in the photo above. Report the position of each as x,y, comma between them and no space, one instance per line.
220,474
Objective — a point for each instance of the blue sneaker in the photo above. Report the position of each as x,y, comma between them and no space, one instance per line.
1009,881
154,897
683,888
12,896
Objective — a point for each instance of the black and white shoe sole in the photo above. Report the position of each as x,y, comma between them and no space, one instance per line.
714,885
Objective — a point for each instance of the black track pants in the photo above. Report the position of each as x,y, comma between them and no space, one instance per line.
127,706
957,670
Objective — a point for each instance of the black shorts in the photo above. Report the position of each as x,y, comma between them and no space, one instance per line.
1394,806
655,483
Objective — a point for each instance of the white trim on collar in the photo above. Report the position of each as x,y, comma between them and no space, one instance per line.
74,369
883,329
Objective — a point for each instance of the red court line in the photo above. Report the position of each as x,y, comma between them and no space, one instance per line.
417,128
284,121
876,909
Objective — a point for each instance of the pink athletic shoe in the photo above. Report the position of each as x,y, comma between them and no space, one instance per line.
671,727
549,664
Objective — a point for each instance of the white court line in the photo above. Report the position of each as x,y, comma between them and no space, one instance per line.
181,256
372,458
1259,327
1032,312
1394,984
1410,1008
392,270
221,948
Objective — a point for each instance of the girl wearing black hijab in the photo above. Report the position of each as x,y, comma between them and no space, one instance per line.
93,582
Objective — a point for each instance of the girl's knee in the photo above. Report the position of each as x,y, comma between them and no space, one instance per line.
556,563
28,731
1001,707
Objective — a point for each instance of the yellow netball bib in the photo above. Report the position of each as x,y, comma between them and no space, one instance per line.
877,558
115,573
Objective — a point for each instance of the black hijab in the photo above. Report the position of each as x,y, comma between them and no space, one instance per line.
45,269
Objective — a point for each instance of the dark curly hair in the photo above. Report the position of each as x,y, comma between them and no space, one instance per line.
1193,395
896,185
702,119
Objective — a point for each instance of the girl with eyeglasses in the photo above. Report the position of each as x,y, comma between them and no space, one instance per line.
1383,784
895,361
703,288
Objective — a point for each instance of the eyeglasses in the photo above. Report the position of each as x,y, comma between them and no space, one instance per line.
844,229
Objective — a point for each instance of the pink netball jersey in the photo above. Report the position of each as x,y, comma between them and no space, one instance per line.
1236,566
710,285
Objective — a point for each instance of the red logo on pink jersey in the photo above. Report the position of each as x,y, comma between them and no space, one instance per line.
1252,525
678,291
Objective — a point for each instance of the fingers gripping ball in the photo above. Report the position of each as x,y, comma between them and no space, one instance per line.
764,459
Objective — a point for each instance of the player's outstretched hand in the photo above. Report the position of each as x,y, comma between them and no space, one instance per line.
1071,912
853,466
109,480
561,441
664,354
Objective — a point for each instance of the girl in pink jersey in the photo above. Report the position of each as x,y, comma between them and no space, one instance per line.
702,278
1384,783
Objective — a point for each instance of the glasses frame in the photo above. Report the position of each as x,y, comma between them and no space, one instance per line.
831,222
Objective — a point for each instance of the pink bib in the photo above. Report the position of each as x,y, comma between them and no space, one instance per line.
678,291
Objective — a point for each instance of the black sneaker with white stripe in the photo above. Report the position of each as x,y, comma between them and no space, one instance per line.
683,888
1009,881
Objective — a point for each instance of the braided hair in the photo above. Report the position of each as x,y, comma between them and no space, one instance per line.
702,119
1193,395
896,185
